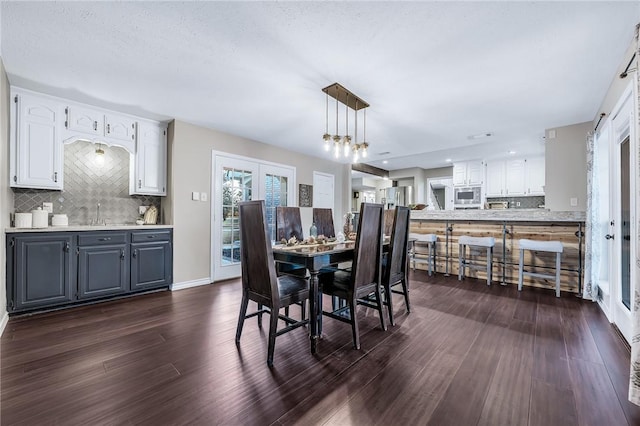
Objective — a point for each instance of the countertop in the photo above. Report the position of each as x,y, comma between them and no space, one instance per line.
74,228
509,215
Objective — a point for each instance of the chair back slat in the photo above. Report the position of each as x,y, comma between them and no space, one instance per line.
366,267
256,255
288,223
323,218
389,216
397,254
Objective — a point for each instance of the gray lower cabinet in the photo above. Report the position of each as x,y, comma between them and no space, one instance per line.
42,271
151,259
103,264
50,269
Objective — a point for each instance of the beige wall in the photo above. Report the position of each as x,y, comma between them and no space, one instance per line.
190,152
6,195
566,167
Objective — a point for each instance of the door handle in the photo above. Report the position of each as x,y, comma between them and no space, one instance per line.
122,254
135,253
609,237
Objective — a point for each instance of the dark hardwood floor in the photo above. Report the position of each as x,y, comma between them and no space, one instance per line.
468,354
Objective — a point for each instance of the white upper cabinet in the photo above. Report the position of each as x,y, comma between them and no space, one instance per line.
468,173
85,120
98,125
495,178
514,177
35,145
120,127
42,124
149,175
535,176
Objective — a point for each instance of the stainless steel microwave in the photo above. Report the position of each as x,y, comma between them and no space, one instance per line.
467,196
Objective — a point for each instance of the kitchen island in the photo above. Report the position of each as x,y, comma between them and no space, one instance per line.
507,227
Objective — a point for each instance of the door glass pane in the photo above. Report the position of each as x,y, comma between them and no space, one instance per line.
276,192
236,187
625,228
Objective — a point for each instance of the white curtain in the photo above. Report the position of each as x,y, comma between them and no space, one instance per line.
592,247
634,378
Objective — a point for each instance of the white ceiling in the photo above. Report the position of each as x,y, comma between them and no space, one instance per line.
433,72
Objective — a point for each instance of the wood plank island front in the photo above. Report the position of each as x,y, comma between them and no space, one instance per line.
507,227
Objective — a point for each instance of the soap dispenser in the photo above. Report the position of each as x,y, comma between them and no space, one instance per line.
313,231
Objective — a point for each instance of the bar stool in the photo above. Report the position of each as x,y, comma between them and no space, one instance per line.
547,246
430,240
486,242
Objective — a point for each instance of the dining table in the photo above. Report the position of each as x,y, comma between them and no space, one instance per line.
316,258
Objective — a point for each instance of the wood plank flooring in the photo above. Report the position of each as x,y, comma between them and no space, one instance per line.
467,354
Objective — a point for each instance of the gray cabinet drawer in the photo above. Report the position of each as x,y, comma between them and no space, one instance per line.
102,238
150,236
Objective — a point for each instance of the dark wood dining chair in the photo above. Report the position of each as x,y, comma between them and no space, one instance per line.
259,280
365,276
323,218
288,223
394,267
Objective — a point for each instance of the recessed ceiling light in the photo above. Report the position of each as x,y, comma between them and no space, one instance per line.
385,162
448,160
385,178
512,152
480,135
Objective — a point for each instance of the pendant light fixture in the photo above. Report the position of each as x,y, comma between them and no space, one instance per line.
342,146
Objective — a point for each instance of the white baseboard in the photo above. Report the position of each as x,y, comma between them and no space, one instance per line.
3,322
189,284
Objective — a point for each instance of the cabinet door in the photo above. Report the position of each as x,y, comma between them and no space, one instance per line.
151,160
150,265
36,146
475,173
42,271
515,178
460,174
495,179
120,127
535,176
85,120
103,270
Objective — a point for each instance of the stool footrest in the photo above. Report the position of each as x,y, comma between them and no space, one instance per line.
538,275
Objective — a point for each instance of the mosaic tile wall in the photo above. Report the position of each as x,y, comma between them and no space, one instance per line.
87,182
525,202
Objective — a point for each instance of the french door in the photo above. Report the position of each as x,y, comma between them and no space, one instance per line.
622,215
236,179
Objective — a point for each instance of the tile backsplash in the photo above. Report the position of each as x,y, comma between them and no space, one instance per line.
89,180
525,202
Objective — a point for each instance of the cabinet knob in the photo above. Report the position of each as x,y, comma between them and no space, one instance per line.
55,176
95,125
122,254
108,128
135,253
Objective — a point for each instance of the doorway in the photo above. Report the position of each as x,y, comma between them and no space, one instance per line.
621,225
236,179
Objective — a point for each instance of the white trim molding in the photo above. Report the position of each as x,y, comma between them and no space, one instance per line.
3,322
189,284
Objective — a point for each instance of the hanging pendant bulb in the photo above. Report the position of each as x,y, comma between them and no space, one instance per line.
355,154
336,146
364,149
